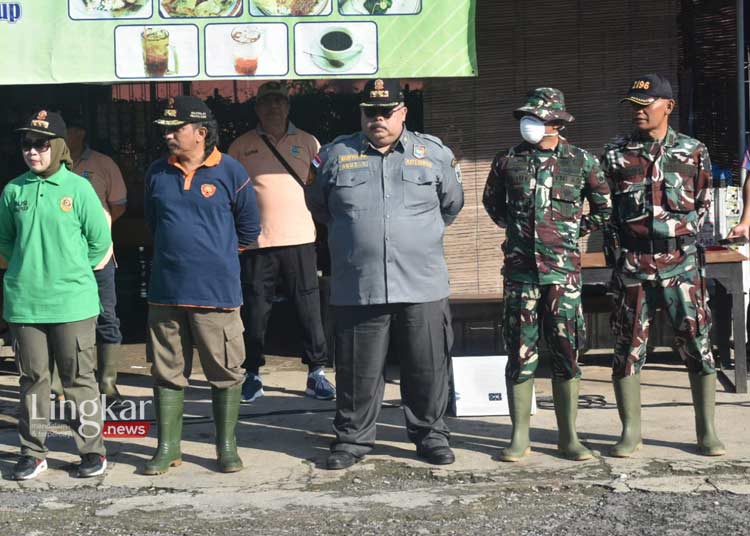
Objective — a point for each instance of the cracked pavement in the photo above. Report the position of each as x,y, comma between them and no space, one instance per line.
667,488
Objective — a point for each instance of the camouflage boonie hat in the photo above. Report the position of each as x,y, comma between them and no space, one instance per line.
545,103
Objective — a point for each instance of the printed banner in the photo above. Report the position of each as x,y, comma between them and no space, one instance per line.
63,41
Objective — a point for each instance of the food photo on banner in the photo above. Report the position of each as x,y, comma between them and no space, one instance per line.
110,9
290,8
185,40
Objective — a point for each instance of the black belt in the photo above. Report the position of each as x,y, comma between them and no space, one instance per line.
661,245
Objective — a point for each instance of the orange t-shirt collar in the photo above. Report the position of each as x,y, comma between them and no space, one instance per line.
213,160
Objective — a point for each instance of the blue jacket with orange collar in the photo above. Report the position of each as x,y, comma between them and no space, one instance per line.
199,221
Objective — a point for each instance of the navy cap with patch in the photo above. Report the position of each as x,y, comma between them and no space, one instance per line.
647,88
49,124
184,109
382,92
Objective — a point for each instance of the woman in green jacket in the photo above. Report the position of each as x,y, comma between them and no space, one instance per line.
53,231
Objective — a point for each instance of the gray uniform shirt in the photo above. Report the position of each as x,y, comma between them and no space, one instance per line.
386,214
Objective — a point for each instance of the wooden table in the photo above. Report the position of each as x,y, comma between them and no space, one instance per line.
725,267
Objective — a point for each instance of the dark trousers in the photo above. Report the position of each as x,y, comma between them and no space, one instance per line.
422,338
295,267
107,325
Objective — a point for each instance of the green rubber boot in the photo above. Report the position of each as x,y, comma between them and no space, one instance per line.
107,357
169,403
565,397
703,389
519,400
628,396
226,404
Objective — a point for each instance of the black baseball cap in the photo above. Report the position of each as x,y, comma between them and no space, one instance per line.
184,109
382,92
50,124
647,88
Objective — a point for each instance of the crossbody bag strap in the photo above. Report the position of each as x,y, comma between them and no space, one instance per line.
281,160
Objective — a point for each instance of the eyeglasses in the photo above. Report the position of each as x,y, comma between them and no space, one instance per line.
39,145
379,111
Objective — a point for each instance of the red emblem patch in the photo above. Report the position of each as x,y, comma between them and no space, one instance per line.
208,190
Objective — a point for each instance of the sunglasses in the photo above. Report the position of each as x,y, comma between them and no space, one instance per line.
40,145
378,111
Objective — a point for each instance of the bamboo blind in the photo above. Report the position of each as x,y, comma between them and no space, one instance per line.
590,50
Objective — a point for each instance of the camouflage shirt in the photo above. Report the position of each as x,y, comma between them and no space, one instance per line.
661,189
538,196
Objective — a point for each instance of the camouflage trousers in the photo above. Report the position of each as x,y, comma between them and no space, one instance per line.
556,309
684,299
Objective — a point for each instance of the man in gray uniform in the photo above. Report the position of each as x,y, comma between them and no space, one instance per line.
386,195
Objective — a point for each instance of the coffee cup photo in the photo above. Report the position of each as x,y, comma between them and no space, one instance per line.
338,45
322,48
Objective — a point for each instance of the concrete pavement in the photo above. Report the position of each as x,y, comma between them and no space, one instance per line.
284,439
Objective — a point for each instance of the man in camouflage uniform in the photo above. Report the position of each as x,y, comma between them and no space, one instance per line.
662,191
536,191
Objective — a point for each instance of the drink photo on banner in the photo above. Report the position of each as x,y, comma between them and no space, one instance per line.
110,9
156,51
247,50
290,8
336,48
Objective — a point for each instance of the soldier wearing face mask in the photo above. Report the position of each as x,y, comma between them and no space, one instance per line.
535,191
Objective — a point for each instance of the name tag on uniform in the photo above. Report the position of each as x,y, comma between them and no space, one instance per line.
417,162
353,161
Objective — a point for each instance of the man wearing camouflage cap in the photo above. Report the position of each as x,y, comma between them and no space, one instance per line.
535,191
662,192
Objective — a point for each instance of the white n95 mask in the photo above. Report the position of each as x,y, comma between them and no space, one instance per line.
532,129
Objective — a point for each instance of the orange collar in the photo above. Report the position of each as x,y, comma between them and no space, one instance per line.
213,160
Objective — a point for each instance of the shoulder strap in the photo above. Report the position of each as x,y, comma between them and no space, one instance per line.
281,160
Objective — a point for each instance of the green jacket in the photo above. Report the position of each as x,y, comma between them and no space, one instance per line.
52,233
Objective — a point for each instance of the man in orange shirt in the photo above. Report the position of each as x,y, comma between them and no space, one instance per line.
277,156
106,178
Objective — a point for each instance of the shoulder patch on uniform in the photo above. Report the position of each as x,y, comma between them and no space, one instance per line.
317,161
429,137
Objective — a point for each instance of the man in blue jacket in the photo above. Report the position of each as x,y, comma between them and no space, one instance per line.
201,210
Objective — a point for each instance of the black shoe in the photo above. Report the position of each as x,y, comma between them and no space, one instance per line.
92,464
29,467
340,460
437,455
